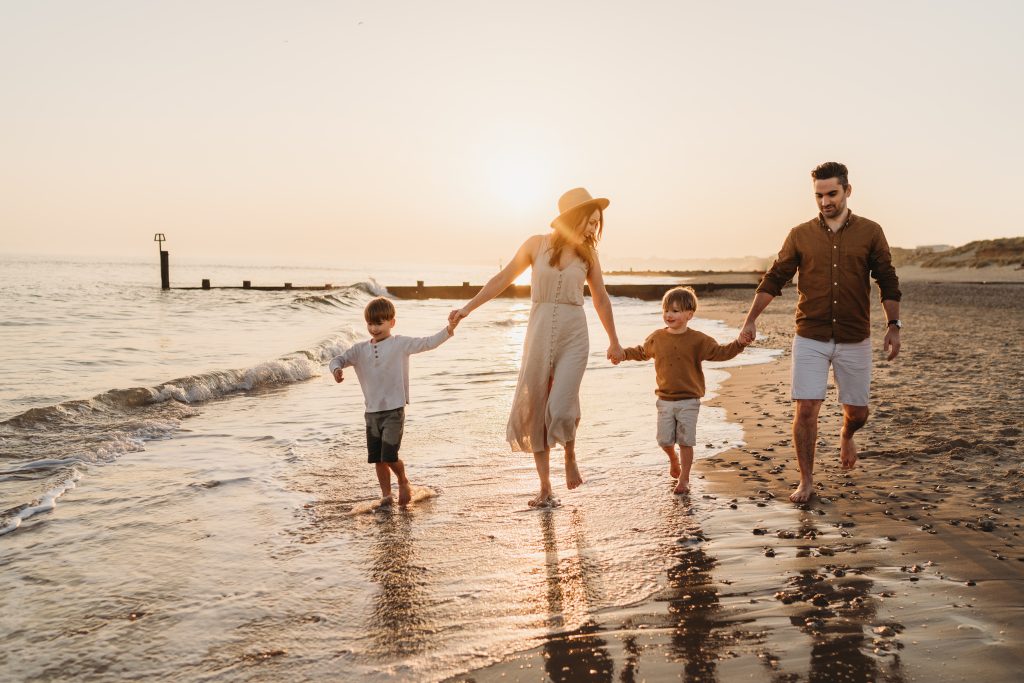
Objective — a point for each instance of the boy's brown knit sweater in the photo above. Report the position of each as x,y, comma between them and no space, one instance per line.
677,359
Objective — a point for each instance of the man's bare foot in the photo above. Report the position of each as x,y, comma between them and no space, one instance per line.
386,500
803,493
572,474
544,499
682,487
404,492
847,453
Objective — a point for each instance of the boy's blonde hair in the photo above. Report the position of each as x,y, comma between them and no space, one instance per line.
379,310
683,297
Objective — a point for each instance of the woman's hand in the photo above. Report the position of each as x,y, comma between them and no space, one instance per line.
615,353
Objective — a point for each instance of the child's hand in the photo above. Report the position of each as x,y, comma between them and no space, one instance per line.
744,340
338,376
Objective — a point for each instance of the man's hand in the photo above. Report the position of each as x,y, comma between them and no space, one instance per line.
748,333
892,341
338,376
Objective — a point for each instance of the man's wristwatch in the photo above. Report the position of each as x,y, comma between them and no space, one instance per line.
898,323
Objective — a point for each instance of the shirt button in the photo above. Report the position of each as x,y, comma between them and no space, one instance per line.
835,302
836,283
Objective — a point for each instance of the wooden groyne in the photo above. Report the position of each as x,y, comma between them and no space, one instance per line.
646,292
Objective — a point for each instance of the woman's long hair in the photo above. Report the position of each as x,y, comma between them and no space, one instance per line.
568,231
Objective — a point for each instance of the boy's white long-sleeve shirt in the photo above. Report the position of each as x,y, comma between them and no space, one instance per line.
383,368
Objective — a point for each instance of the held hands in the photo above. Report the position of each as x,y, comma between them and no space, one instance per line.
615,353
453,322
748,333
892,341
457,315
338,376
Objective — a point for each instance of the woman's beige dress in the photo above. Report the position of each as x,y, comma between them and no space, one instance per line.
546,406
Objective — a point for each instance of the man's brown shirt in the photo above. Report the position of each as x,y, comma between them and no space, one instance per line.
833,288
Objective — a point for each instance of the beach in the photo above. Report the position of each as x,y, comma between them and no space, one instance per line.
910,567
186,497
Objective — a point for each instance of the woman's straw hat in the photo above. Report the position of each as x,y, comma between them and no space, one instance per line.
574,199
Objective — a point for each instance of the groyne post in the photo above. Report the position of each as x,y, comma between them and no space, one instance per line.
165,257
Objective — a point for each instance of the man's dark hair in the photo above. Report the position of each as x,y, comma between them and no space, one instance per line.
379,310
832,169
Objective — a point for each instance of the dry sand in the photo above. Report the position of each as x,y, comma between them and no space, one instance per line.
909,568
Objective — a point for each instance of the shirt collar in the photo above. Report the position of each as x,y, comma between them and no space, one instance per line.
822,223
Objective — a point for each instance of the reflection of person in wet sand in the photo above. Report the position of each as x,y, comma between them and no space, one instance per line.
400,623
834,254
546,406
581,653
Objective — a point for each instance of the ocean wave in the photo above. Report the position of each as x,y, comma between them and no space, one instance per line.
42,448
347,297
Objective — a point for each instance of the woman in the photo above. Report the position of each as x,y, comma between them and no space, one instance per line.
546,407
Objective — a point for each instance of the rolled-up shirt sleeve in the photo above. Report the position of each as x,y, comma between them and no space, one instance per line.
882,269
783,269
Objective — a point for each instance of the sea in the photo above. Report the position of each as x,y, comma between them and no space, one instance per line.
184,493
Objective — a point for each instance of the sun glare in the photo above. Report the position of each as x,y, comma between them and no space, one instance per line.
519,181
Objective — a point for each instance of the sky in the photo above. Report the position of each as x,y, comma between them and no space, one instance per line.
444,132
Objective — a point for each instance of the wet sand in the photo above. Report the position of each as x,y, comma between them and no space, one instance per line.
911,567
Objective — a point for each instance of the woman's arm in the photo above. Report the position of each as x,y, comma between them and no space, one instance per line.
500,282
603,306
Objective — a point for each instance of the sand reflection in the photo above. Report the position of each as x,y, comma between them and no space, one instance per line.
399,623
573,590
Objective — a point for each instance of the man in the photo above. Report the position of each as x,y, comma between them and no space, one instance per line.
834,255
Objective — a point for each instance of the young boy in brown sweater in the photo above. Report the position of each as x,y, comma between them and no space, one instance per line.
678,353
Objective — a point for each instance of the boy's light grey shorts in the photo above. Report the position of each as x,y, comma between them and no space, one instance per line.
851,366
677,422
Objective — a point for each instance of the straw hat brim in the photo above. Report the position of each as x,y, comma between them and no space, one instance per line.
599,202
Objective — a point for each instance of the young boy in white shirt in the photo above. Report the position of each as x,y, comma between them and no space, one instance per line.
382,366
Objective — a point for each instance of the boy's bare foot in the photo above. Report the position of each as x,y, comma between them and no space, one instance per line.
674,470
544,499
847,453
404,492
573,478
386,500
682,487
803,493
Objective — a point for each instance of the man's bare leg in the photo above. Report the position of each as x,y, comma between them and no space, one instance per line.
805,434
404,487
573,478
854,418
686,460
543,499
384,478
673,461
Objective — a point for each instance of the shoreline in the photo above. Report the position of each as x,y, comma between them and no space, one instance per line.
909,567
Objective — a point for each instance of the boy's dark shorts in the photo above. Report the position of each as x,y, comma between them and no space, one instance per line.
384,434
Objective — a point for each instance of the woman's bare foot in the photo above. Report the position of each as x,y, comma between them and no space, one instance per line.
544,499
386,500
803,492
572,474
404,492
847,453
682,487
